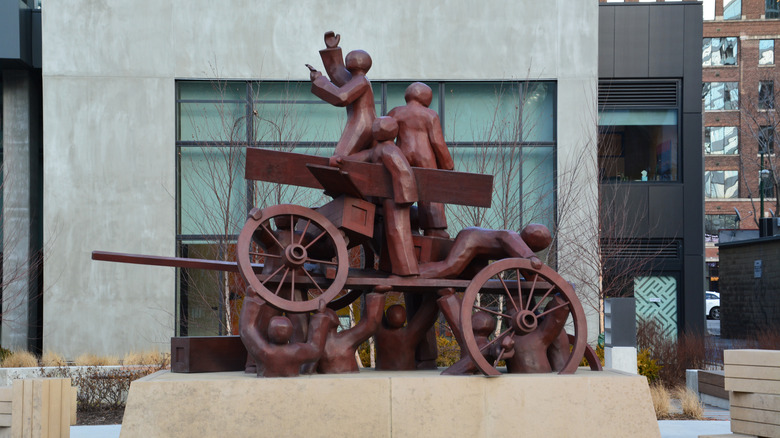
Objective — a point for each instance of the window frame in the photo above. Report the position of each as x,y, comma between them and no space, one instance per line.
707,88
760,51
766,95
725,188
707,44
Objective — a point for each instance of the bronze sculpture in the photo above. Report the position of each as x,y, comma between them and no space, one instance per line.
295,260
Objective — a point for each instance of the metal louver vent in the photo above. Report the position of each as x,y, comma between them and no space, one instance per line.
629,249
623,94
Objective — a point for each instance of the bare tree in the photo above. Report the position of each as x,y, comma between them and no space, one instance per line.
759,126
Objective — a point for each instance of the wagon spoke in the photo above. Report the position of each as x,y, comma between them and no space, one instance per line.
553,309
495,339
272,235
498,358
303,234
316,239
509,294
543,298
265,254
531,292
292,228
272,275
323,262
485,309
312,280
281,282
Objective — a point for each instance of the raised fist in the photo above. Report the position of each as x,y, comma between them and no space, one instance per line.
331,39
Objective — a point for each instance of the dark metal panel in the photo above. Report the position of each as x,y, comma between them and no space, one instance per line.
624,210
665,211
9,30
693,295
693,176
692,54
606,41
631,41
35,38
666,35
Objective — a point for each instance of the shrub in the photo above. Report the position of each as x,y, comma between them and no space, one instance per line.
4,352
92,360
20,359
152,357
647,366
689,401
449,351
100,389
52,359
662,403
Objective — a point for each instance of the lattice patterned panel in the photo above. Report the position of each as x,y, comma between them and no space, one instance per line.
656,299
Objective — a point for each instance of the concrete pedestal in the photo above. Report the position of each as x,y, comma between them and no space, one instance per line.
390,404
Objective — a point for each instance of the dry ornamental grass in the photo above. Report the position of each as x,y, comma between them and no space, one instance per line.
20,359
689,401
662,403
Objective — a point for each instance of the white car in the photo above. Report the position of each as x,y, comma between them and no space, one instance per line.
713,305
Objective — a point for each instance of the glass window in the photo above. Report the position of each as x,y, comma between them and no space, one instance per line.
721,183
732,9
766,140
720,95
766,95
719,51
638,145
485,112
772,9
537,108
713,223
766,52
721,140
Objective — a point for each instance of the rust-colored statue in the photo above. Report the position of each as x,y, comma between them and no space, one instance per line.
422,142
296,260
280,357
338,356
491,244
396,343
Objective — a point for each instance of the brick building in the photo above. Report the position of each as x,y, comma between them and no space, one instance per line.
739,75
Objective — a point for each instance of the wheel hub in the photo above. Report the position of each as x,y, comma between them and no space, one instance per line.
524,321
294,255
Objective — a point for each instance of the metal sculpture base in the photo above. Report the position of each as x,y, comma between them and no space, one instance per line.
390,404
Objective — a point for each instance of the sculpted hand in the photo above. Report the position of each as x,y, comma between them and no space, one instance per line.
313,73
535,262
336,161
331,39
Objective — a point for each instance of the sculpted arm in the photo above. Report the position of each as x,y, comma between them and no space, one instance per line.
436,137
339,96
250,328
318,331
369,321
424,318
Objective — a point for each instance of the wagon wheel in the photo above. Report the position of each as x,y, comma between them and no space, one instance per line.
305,257
519,310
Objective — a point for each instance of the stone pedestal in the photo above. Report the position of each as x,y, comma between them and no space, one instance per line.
390,404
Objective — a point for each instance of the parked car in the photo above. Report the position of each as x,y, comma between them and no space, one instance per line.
713,305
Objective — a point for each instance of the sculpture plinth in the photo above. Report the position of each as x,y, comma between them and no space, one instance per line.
389,404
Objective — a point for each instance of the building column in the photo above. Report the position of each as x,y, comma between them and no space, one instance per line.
20,145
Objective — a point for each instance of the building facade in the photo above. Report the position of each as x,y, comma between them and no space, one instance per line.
21,154
137,82
739,75
650,159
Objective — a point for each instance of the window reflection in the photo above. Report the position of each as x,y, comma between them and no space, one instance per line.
766,52
638,145
732,9
719,51
720,95
721,183
721,140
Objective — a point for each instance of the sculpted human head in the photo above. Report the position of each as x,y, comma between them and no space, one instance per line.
536,236
420,93
396,316
280,330
482,323
358,60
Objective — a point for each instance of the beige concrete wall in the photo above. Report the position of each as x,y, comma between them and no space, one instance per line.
109,72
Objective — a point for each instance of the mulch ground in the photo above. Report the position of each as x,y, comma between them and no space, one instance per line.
100,417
